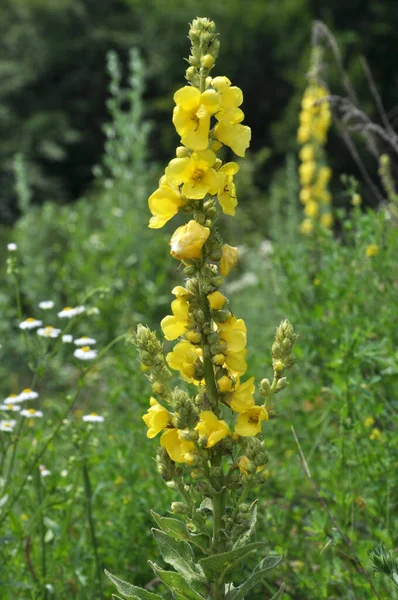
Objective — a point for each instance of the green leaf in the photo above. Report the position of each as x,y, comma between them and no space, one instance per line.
131,591
177,554
245,537
279,593
174,527
180,587
268,563
219,564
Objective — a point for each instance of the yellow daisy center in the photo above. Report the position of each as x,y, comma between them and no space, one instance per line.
86,348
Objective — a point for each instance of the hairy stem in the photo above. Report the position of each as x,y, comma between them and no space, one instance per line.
91,521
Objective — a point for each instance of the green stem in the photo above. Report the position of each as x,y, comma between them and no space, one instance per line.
218,587
90,517
39,493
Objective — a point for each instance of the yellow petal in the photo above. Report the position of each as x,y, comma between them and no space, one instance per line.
221,84
187,97
172,327
229,259
188,240
232,97
236,136
179,170
211,100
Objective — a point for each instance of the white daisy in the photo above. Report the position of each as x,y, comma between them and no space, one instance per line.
46,304
48,332
44,472
85,353
30,323
85,341
11,399
30,413
27,394
64,473
7,425
69,312
11,407
93,418
67,338
12,247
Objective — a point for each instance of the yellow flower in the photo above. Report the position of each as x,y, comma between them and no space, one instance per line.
324,175
188,240
311,209
307,226
178,450
234,135
191,116
233,332
156,419
327,220
369,421
164,203
372,250
307,171
211,427
241,399
231,98
229,259
249,422
216,300
307,153
305,195
224,384
243,464
375,435
227,191
183,358
195,173
303,134
176,324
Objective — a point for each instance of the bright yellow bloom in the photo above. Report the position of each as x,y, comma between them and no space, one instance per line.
234,135
243,464
233,332
249,423
227,191
191,116
327,220
303,134
305,195
156,419
307,226
183,358
188,240
229,259
231,98
372,250
178,450
307,153
176,324
216,300
242,398
311,209
164,203
211,427
307,171
195,173
324,175
375,435
369,421
224,384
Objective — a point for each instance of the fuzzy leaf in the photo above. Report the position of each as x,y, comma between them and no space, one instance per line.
177,554
245,537
279,593
131,591
259,573
217,564
180,587
174,527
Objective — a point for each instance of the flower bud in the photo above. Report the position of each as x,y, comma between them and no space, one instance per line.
207,61
218,359
220,316
194,337
182,152
158,388
179,508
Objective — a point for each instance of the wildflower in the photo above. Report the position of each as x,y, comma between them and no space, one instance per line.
164,203
11,399
188,240
67,338
224,384
369,421
227,191
176,324
234,135
48,332
24,517
93,418
244,465
375,435
233,332
156,419
31,413
10,407
44,472
27,394
229,259
30,323
46,304
196,173
183,358
372,250
228,130
249,422
12,247
85,353
7,425
307,226
179,450
85,341
242,397
69,312
216,300
212,428
327,220
191,116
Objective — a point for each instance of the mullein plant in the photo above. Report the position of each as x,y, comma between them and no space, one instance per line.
211,447
315,174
